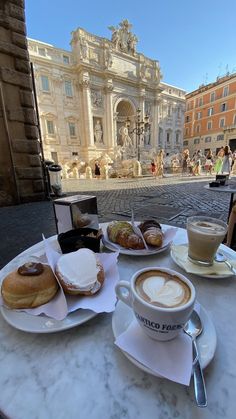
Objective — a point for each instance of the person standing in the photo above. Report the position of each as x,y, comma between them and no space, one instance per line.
219,161
209,162
233,159
233,167
160,163
190,164
226,166
185,161
97,170
197,166
153,168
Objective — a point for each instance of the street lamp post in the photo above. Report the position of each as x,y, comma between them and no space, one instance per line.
141,126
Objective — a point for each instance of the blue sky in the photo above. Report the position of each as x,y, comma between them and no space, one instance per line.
194,40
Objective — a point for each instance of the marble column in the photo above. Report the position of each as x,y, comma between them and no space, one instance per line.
155,125
140,139
109,117
60,139
142,103
115,115
87,119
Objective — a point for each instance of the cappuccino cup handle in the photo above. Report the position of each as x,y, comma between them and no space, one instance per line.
125,297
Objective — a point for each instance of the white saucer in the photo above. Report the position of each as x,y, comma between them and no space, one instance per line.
43,324
131,252
226,251
123,316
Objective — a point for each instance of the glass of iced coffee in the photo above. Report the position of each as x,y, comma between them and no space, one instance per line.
205,234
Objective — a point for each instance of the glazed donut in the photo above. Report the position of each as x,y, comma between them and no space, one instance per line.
80,272
31,285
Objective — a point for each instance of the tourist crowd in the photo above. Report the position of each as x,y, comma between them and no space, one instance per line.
224,162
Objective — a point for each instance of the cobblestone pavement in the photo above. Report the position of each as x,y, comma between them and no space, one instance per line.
169,200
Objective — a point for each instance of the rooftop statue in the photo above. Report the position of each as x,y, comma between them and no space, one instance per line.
122,38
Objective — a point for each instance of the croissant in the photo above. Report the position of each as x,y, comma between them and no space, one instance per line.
152,233
121,232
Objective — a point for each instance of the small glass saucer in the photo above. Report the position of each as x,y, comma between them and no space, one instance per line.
213,271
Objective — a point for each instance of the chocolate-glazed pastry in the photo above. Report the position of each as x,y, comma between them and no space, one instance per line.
31,285
147,224
30,269
152,233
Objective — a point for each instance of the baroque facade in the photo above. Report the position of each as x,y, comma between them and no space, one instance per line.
86,96
210,118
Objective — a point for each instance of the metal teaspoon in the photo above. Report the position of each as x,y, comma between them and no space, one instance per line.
194,328
220,257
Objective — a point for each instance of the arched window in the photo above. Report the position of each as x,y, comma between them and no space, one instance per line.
68,88
45,86
177,137
168,137
49,125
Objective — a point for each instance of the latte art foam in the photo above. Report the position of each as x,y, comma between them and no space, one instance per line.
162,289
168,293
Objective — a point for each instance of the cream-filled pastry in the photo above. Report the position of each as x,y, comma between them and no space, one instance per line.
80,272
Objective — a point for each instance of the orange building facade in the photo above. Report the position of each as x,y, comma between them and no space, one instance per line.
210,116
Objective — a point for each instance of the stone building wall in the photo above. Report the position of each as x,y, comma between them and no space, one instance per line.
210,118
21,177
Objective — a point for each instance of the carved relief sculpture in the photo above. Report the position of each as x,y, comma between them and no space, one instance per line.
98,132
83,48
94,56
132,43
142,70
148,108
157,76
147,136
125,138
96,99
122,38
108,58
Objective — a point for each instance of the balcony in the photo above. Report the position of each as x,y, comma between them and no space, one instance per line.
230,128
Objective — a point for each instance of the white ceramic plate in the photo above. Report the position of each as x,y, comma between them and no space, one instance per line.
123,316
43,324
40,324
223,248
131,252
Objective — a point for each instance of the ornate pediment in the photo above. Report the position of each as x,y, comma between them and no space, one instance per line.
122,38
48,115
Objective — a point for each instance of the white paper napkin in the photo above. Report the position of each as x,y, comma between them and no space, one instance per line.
172,359
104,301
180,253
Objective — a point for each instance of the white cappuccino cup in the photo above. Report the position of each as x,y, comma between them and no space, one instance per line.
162,301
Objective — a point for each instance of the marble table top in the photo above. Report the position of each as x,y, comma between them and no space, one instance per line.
80,373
